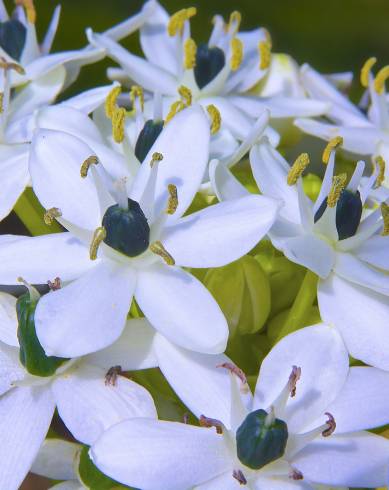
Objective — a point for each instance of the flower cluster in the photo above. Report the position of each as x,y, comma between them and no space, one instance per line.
189,310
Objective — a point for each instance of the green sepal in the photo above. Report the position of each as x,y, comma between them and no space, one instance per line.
31,353
92,477
258,444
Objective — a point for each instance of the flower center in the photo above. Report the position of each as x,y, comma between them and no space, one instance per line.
209,63
127,229
12,38
261,439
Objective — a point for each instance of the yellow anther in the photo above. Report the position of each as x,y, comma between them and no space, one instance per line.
190,51
234,22
268,37
237,53
98,237
118,123
380,79
156,157
175,108
380,162
30,9
110,101
158,249
186,95
92,160
296,170
172,203
177,20
338,184
4,65
385,217
264,48
332,145
51,214
137,91
1,102
216,119
365,71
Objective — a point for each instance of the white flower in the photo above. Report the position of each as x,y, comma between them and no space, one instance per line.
221,72
89,398
305,381
363,134
90,312
341,243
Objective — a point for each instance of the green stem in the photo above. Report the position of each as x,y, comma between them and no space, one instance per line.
301,306
30,213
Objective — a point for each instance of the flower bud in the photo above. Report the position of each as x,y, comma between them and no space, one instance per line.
277,322
312,185
32,355
243,293
261,439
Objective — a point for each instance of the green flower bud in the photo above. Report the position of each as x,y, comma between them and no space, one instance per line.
312,185
32,355
243,293
127,230
261,439
276,323
92,477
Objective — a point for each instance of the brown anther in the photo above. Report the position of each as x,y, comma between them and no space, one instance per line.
112,375
50,215
172,204
234,370
239,476
92,160
208,422
295,375
55,284
331,425
158,249
296,474
4,65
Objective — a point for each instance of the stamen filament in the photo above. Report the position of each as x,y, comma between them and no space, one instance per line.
237,53
92,160
380,79
177,20
158,249
297,169
172,204
365,71
34,294
216,118
190,51
50,215
98,236
380,162
338,184
264,48
385,217
332,145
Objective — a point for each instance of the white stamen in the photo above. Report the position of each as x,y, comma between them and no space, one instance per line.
356,177
157,106
34,294
327,182
288,391
120,192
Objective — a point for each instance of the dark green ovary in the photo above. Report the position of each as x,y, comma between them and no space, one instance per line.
147,137
127,229
209,63
13,38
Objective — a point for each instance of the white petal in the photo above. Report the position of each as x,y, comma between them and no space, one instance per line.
324,367
56,459
14,175
198,379
184,144
352,269
361,141
89,100
281,483
182,309
225,185
88,314
374,251
310,251
225,481
359,459
55,163
220,234
360,315
88,406
10,368
25,415
8,320
68,485
37,93
38,259
164,455
368,389
51,31
270,171
133,350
